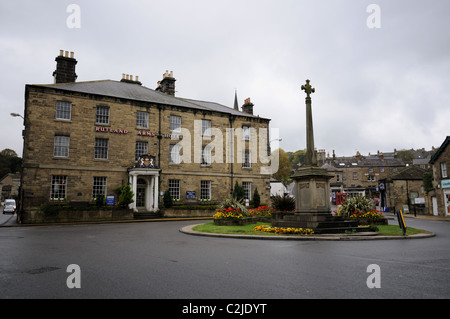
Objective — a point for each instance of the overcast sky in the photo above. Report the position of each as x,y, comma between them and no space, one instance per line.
381,73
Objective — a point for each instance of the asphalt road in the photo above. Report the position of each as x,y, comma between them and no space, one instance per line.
154,260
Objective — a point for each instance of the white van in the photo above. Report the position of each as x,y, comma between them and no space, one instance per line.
10,206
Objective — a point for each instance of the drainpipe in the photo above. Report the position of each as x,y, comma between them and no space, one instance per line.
231,119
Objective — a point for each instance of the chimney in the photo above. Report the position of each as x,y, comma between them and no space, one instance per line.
127,78
358,156
65,68
381,156
247,107
167,84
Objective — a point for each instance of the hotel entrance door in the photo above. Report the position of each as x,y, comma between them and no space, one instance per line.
140,193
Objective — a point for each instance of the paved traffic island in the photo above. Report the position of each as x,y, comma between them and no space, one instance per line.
369,235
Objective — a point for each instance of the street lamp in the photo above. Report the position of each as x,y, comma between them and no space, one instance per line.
16,115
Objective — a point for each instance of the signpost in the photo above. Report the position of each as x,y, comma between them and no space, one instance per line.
190,194
401,222
110,199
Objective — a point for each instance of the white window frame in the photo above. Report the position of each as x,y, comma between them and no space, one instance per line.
141,149
101,149
142,119
58,187
63,110
205,190
246,133
175,123
247,186
61,146
99,186
206,128
174,154
102,114
444,173
174,188
206,156
246,159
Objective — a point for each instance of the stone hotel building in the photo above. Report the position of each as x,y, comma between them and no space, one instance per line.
84,139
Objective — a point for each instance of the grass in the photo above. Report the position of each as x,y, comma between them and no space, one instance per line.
383,230
394,230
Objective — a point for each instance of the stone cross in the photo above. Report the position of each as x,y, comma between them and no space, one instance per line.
308,89
310,158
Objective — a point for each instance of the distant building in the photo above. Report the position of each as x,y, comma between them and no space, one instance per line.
9,185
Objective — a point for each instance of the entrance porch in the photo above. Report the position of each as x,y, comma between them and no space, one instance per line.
144,183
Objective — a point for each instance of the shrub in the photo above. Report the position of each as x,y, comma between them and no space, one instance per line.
238,192
283,203
125,195
256,198
232,202
167,199
355,205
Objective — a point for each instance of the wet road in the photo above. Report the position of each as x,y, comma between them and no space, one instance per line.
154,260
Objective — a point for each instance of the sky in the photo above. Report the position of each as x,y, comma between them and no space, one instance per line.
380,68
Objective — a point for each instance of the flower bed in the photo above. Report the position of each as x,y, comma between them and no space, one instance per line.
235,216
371,217
282,230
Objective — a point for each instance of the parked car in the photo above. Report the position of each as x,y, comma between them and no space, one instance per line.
10,206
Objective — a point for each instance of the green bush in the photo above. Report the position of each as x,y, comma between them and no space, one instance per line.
233,203
256,198
167,199
125,195
355,204
238,192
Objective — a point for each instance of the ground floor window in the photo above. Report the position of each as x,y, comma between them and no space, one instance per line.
99,186
205,190
174,188
247,186
59,187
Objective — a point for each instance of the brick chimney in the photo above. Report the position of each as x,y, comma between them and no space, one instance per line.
247,107
167,84
127,78
65,68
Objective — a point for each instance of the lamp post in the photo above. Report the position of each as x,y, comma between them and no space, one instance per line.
16,115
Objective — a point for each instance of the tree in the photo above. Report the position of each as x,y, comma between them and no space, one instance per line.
284,167
9,162
238,192
256,198
125,195
167,199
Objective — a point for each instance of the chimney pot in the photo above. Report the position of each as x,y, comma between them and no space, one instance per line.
65,68
71,55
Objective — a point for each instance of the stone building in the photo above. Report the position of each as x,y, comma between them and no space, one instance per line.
440,196
84,139
363,175
405,191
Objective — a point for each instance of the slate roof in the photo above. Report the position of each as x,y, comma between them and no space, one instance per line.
410,173
367,162
440,150
137,92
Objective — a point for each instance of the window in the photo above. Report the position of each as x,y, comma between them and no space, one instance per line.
59,187
245,133
141,149
205,190
371,170
371,178
63,110
247,186
101,148
355,175
381,169
444,170
102,115
206,128
246,159
206,155
142,119
99,186
175,154
61,146
175,123
174,188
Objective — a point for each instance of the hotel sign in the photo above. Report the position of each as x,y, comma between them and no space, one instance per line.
445,183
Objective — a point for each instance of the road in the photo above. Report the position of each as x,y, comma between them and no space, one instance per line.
154,260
